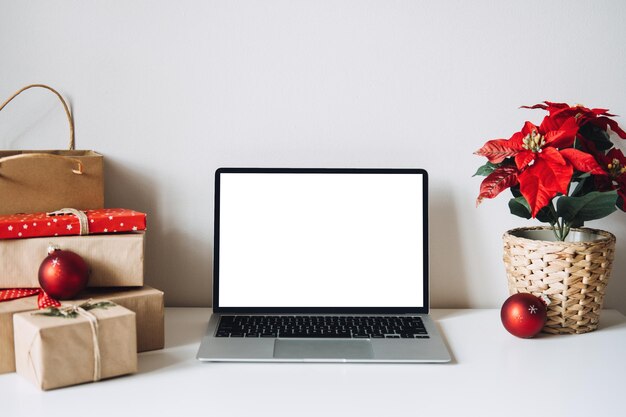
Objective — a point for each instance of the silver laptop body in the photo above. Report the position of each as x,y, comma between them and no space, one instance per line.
336,244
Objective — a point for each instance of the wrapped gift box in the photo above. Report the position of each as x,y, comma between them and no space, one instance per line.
115,260
146,302
84,346
7,309
16,226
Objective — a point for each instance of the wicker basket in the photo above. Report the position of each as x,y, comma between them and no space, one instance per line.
573,274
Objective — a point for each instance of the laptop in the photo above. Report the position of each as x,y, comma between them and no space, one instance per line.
321,265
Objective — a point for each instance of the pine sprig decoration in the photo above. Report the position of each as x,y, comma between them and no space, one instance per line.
71,311
101,304
57,312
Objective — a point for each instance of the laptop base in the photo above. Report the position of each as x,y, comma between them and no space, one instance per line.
219,349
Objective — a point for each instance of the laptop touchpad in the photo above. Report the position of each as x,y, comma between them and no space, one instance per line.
322,349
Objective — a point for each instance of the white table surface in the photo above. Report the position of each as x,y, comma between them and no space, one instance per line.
492,374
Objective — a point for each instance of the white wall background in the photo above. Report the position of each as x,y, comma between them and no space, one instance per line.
170,90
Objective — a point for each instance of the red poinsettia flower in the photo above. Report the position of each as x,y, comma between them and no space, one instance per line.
544,162
563,111
500,179
615,163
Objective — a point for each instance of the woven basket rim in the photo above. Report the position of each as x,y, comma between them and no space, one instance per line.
606,237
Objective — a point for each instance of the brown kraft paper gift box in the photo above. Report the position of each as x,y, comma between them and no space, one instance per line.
146,302
54,352
115,260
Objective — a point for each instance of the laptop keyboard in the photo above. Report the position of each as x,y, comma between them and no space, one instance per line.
357,327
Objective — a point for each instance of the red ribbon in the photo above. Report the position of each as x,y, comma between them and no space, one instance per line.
43,299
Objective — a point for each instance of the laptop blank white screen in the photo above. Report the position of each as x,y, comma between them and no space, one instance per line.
321,240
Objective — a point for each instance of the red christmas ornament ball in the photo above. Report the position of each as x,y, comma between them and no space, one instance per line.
63,274
523,315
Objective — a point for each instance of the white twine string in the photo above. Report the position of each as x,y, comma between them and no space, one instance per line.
93,324
83,221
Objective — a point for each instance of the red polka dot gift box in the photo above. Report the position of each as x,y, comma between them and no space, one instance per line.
67,222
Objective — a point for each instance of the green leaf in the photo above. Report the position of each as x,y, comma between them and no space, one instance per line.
519,207
56,312
547,214
69,312
577,144
102,304
515,191
581,175
592,206
585,186
597,135
577,223
486,169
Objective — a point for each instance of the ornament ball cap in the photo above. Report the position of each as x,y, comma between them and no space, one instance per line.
53,248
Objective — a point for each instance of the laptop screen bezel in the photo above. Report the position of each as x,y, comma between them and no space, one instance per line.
321,310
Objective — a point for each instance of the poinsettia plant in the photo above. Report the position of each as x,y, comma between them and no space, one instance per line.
564,172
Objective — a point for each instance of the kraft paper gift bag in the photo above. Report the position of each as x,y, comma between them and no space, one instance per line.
47,180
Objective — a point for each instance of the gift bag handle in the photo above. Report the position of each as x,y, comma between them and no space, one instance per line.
79,164
68,113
